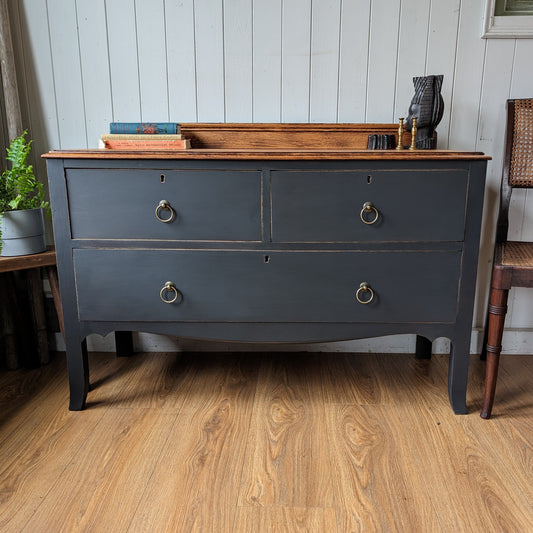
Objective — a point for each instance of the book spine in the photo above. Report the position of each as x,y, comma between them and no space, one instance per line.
144,127
126,144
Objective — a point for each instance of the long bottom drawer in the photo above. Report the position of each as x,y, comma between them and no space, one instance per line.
267,286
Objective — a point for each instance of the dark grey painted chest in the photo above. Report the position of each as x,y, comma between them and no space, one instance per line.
267,250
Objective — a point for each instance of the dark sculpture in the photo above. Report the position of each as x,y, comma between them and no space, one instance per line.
427,106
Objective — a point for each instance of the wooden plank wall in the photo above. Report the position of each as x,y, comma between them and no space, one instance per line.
84,64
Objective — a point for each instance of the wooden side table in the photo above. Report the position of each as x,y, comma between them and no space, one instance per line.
12,314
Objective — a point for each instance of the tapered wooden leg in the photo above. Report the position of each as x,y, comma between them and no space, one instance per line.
497,312
458,373
78,372
423,348
124,343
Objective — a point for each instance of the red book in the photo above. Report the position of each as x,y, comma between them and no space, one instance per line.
128,144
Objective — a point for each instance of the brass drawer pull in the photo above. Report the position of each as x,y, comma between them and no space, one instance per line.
169,288
364,288
164,206
369,207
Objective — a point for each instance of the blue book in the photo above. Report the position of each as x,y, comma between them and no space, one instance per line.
144,127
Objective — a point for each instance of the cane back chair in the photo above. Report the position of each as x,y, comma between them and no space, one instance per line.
513,260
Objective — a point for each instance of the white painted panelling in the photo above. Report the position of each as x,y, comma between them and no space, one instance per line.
35,77
441,54
497,73
181,65
209,33
496,88
383,55
414,17
238,60
266,52
295,60
353,60
64,47
31,46
152,54
95,68
123,61
325,28
84,64
468,79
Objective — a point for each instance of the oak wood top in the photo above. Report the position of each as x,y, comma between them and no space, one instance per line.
301,155
284,141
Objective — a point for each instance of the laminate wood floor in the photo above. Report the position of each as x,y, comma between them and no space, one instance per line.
265,443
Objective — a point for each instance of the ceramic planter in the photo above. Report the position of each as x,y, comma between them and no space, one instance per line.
22,232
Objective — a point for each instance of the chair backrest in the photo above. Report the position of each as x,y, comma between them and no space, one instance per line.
518,158
521,164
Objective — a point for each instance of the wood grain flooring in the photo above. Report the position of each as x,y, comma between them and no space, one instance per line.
265,443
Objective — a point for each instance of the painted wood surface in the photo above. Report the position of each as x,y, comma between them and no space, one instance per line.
238,67
152,60
82,67
295,60
182,83
123,62
382,59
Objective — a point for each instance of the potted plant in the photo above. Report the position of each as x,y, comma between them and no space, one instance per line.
21,204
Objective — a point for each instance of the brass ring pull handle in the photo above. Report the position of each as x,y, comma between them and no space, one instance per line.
164,206
364,288
169,288
369,207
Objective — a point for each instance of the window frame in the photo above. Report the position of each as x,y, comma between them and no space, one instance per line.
506,27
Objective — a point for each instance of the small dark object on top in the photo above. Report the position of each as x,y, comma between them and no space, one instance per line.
381,142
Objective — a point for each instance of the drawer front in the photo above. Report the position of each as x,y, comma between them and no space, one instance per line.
211,205
327,206
255,286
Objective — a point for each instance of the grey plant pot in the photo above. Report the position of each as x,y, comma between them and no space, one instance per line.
22,232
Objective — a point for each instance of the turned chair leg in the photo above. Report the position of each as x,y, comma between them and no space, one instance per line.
497,312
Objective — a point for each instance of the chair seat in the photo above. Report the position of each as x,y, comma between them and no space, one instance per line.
517,254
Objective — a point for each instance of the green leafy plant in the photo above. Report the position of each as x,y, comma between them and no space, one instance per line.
19,188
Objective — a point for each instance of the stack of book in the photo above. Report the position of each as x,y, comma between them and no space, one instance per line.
144,136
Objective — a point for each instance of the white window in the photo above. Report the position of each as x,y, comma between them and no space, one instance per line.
508,19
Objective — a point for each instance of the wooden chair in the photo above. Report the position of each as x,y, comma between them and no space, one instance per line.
513,261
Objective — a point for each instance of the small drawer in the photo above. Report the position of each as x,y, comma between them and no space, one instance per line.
257,286
208,205
337,206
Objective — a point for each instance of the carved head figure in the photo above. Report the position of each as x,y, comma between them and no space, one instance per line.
428,106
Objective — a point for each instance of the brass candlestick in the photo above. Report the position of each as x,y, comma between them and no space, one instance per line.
413,135
401,129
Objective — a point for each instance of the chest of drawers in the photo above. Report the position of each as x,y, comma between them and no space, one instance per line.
267,246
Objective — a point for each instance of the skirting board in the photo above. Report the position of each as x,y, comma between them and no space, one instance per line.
515,342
